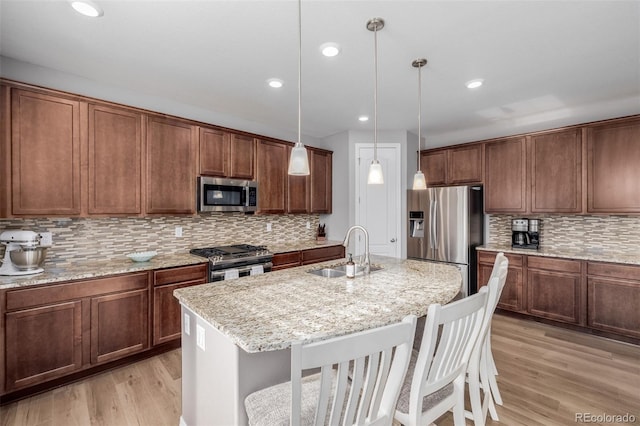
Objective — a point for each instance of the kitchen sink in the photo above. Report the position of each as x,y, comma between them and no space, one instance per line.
340,271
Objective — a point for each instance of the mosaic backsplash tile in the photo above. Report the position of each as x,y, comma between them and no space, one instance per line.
611,233
110,238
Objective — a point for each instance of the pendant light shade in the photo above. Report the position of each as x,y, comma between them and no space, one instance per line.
375,169
299,160
419,181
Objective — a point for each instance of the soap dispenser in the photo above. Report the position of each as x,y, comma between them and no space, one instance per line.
351,267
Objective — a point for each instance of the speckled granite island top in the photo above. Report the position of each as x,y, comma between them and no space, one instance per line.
593,254
267,312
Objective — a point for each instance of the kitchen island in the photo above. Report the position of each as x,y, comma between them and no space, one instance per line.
236,334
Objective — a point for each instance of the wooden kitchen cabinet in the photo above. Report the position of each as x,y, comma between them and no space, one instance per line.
433,164
320,165
556,171
45,154
115,161
272,177
613,156
462,165
225,154
555,289
307,257
166,308
171,166
58,329
614,298
286,260
514,291
505,176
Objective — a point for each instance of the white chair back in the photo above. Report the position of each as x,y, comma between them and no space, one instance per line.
450,333
378,360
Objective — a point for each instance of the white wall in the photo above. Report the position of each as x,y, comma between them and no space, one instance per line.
338,222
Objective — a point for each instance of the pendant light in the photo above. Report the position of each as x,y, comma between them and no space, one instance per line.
375,169
299,161
419,182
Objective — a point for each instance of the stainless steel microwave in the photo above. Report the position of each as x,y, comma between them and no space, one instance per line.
227,195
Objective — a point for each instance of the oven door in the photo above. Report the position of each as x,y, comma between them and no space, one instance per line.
226,195
243,271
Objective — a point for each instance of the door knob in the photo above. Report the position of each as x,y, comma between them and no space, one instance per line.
393,240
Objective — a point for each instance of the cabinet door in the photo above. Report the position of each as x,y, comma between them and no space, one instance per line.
115,161
171,159
613,156
242,157
322,254
556,172
285,260
464,165
43,343
119,325
554,295
45,146
214,152
513,293
505,176
166,312
272,177
320,164
434,166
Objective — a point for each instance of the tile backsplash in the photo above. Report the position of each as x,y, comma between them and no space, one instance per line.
612,233
108,238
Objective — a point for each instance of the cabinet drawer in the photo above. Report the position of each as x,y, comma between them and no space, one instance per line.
490,257
614,271
30,297
559,265
321,254
289,258
180,274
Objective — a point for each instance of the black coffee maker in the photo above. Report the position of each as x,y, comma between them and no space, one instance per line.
525,233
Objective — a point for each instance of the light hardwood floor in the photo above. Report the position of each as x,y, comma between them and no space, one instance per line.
547,375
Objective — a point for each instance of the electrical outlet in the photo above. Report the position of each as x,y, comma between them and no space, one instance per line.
200,336
308,225
46,239
187,324
269,227
178,231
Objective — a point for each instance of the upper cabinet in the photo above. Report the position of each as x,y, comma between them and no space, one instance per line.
171,171
321,176
556,171
461,165
272,178
115,161
45,154
613,166
226,154
505,176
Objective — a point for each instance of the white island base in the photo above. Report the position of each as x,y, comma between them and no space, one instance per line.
217,378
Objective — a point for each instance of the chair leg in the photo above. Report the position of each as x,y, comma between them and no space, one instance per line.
474,398
492,371
492,410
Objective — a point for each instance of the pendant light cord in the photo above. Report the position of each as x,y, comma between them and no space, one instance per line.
419,113
299,72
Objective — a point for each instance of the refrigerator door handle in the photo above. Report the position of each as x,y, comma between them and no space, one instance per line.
434,225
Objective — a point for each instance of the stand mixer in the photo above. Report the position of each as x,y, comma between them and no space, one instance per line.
28,255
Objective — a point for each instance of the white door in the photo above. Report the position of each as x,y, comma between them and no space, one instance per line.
378,206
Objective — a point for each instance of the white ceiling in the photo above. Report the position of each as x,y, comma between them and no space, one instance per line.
545,63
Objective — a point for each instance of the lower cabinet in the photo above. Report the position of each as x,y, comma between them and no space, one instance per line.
614,298
306,257
58,329
513,293
166,308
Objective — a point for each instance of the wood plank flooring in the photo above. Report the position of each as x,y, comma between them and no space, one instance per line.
547,375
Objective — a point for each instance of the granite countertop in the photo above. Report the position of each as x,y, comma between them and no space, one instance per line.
594,254
267,312
93,269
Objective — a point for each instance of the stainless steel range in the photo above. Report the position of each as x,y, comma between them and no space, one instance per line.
233,261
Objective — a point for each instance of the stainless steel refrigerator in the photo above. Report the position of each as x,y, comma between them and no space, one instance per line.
445,225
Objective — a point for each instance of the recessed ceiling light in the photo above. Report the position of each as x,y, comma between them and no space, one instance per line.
474,84
87,8
363,118
276,83
330,49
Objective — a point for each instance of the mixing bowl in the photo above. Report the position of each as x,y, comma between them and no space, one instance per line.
29,258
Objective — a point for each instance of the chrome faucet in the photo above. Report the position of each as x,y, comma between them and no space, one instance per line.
367,257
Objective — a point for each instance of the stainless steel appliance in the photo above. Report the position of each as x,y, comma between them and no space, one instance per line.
524,233
23,254
445,225
235,260
227,195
